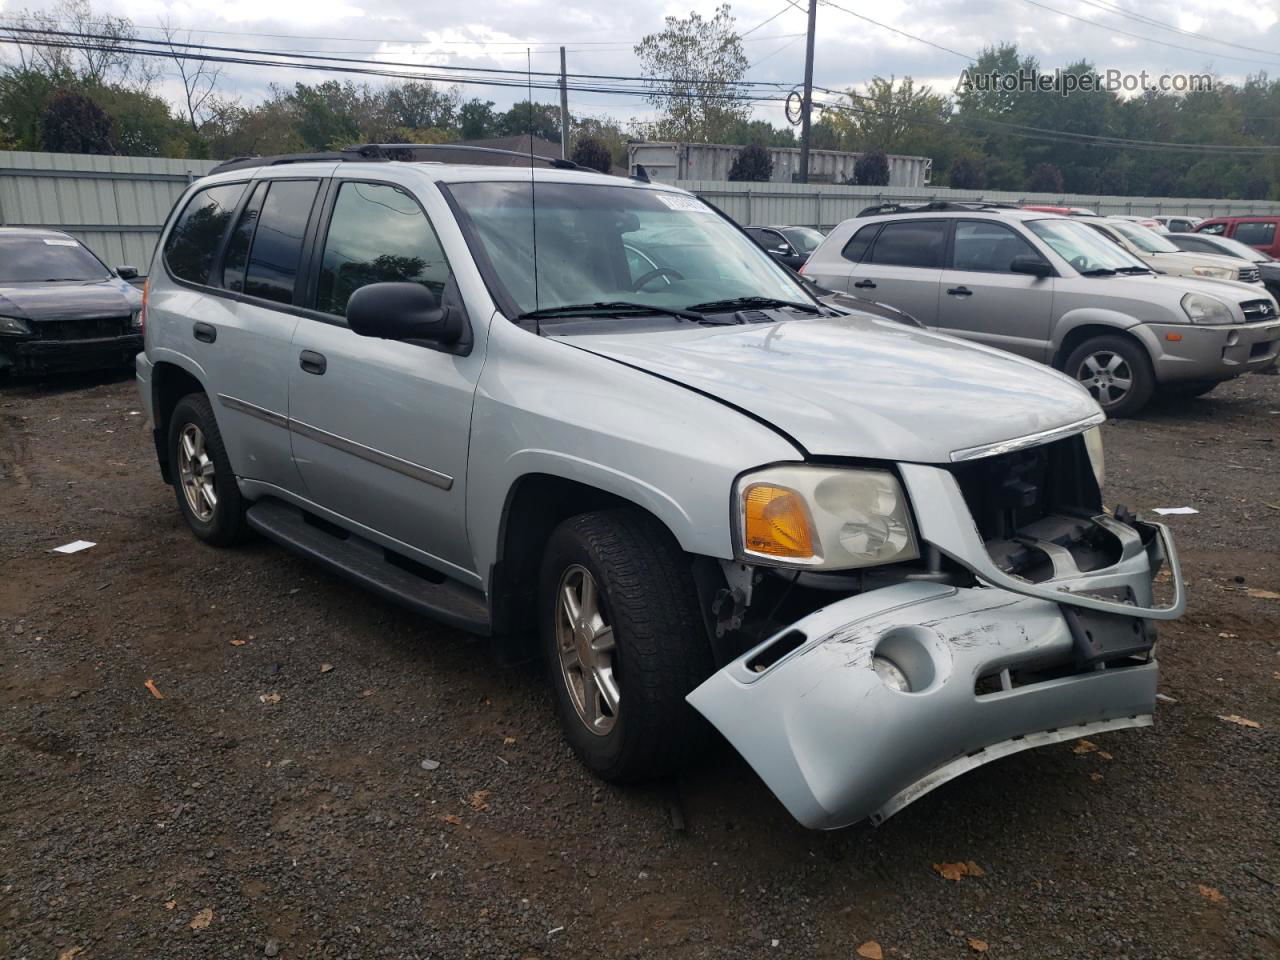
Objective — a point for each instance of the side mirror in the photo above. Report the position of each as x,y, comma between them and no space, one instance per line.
127,273
402,311
1031,265
782,250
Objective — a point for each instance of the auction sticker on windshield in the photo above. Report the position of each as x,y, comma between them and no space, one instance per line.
676,202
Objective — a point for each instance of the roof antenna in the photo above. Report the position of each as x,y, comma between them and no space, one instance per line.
533,197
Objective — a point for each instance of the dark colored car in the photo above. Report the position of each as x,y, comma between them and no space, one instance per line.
790,246
61,308
1268,268
1258,232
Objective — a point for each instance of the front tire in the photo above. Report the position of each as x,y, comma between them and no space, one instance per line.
1116,371
624,643
203,481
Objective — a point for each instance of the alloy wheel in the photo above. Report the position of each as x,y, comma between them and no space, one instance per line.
585,642
1107,376
195,470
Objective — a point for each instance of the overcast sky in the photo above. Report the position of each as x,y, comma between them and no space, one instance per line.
599,36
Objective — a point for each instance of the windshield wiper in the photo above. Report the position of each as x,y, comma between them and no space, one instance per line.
1098,272
1134,270
743,303
605,308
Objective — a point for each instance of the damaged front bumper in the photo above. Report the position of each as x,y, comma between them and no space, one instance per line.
991,670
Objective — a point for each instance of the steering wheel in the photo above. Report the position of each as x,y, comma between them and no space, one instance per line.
654,275
1080,264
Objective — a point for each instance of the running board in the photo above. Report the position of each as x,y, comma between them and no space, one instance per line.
368,564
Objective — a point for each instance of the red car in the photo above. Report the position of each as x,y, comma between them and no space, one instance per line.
1258,232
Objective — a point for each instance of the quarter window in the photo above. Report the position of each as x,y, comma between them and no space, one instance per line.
277,240
911,243
1256,234
237,255
193,242
987,247
378,233
857,246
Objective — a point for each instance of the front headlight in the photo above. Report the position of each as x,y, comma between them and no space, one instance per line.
1093,444
13,327
1216,273
826,518
1202,308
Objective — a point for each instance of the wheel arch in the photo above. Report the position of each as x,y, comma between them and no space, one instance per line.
170,382
1086,327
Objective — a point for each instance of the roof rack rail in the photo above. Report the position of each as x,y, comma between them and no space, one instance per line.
404,152
936,206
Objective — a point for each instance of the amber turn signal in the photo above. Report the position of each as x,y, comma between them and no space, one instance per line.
776,522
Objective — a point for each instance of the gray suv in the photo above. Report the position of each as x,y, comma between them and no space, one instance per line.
590,418
1052,289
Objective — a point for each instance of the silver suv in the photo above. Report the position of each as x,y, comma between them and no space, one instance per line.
1052,289
616,435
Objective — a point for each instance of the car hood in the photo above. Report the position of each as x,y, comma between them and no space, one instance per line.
858,386
69,299
1187,259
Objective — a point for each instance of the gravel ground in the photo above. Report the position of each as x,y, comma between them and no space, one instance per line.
275,801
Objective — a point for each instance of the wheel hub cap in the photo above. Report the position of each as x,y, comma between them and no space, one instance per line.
1107,376
584,640
196,473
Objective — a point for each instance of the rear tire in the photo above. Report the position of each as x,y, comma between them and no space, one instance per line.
203,481
621,665
1116,371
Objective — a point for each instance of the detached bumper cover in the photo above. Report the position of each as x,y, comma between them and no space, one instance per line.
64,356
837,745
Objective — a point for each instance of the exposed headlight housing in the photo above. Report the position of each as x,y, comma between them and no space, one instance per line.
14,327
1093,444
135,320
1215,273
1202,308
827,518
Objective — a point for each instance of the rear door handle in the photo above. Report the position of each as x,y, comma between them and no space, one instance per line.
960,292
866,284
204,332
312,362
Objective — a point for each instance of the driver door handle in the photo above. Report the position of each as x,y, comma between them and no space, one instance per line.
960,292
865,284
312,362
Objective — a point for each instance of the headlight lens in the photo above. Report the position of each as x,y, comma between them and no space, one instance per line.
1217,273
1093,444
828,518
1202,308
13,327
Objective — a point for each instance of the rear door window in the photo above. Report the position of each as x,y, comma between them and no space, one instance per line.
911,243
237,255
193,242
1256,234
276,250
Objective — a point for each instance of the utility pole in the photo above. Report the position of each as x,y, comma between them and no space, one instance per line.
807,105
564,110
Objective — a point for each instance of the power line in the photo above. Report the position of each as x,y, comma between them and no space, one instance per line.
901,33
1162,25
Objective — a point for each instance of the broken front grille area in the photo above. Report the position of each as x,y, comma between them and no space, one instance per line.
89,328
1035,510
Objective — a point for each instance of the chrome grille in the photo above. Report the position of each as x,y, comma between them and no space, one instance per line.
1249,274
1258,309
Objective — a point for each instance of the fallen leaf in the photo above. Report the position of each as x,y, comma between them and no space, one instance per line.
1229,636
1262,594
155,691
954,871
977,946
452,818
974,869
326,667
170,904
871,951
1084,746
508,741
365,693
1095,777
70,953
480,800
202,919
1212,894
1104,755
238,641
270,697
1239,720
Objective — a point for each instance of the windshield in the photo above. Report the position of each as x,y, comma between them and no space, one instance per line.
1141,237
1083,247
33,259
804,239
1230,248
609,244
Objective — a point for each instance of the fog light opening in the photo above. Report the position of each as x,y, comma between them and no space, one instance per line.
890,674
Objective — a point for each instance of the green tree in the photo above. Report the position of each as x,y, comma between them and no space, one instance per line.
893,116
693,68
592,153
966,173
1045,178
540,119
72,123
752,163
872,169
477,120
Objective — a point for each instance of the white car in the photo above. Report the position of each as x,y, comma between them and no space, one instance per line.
1163,257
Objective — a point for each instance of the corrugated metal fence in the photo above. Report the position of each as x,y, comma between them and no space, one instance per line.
799,204
114,205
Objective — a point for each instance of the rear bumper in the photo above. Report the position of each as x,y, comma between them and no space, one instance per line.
837,745
67,356
1210,352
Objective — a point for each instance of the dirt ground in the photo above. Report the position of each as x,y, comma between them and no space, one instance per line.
274,802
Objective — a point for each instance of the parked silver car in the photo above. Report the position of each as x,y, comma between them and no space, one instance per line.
874,557
1050,288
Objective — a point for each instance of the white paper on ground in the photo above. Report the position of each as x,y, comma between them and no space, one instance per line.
75,546
1177,511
